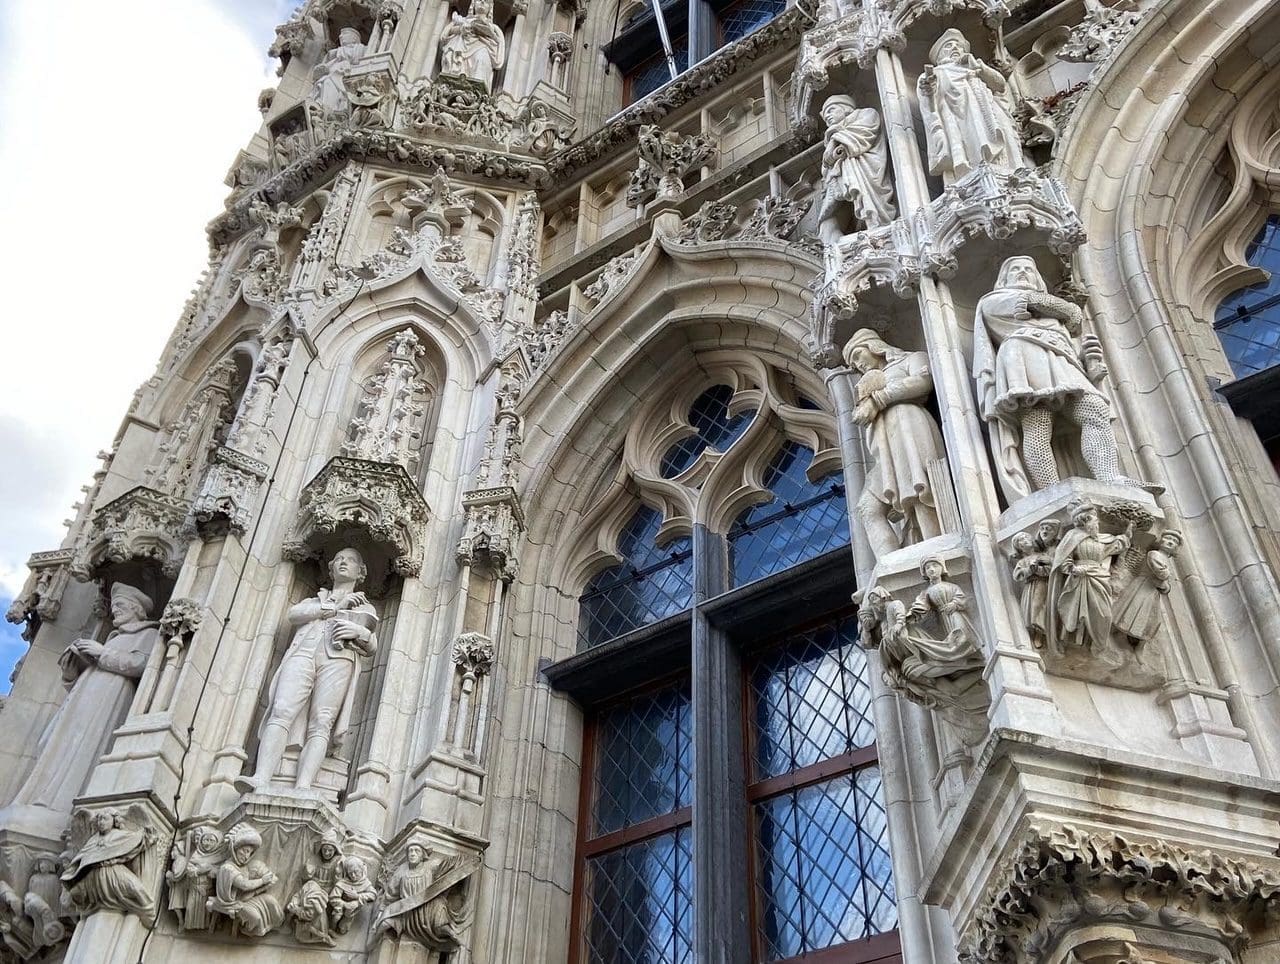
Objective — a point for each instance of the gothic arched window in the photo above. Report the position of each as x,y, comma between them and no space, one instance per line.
1248,320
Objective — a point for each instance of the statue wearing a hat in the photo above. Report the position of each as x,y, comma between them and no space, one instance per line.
102,677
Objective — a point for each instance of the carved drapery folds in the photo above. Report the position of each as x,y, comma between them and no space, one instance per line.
462,109
376,498
855,170
666,159
427,898
113,864
242,886
36,914
1164,898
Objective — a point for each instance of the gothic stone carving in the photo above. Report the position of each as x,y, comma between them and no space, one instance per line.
897,505
107,872
37,915
193,866
493,530
142,524
388,426
930,650
770,218
473,46
380,499
855,169
460,107
313,693
1095,38
666,158
1061,878
309,906
426,899
329,78
1032,376
612,277
101,678
242,886
41,596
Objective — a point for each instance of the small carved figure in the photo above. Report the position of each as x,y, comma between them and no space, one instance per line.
314,689
351,891
947,602
241,885
1081,596
1137,610
855,168
46,903
103,875
101,677
1031,378
329,90
967,117
1033,560
15,929
473,46
190,878
309,907
897,504
426,903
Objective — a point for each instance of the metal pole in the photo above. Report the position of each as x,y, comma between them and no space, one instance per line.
666,38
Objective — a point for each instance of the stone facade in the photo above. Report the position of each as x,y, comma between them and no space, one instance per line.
313,673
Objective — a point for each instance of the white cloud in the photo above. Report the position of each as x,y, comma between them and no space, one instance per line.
117,125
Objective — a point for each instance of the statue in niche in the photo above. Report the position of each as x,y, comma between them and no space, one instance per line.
473,46
46,903
897,505
1032,379
102,678
1033,561
241,885
329,91
425,903
967,117
1137,609
103,874
309,907
855,168
351,891
1081,595
313,691
190,878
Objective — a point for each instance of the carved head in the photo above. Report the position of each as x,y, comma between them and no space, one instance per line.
353,869
329,846
1023,544
208,840
949,48
1170,541
1048,532
867,351
836,108
129,605
1084,515
45,864
104,820
243,842
1021,272
933,568
348,566
415,854
348,36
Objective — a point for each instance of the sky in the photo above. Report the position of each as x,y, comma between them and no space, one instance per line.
118,123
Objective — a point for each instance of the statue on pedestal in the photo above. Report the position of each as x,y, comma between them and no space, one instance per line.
855,168
329,91
897,504
241,885
314,688
1032,378
967,117
1081,595
473,46
102,677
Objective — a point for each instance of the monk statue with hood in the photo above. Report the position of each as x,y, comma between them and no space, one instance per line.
855,168
314,688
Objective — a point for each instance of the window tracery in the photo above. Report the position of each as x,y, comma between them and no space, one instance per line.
1248,320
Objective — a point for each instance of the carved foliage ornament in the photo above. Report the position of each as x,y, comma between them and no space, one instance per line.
768,218
666,158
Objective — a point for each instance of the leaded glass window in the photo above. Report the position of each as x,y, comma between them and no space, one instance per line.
652,583
714,429
1248,320
804,519
747,16
651,74
822,872
637,853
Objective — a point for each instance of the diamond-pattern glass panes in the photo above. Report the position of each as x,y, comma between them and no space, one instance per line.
641,909
747,16
653,583
643,760
812,700
823,876
651,74
715,427
803,520
824,872
1248,320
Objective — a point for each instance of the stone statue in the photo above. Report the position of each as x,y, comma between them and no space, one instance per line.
15,929
855,168
967,117
314,688
104,873
1032,378
309,906
473,46
948,603
351,891
102,677
329,90
425,902
241,885
1033,561
897,505
46,903
1081,596
1137,610
190,878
